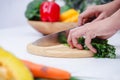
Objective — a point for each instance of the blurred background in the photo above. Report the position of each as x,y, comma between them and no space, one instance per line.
12,11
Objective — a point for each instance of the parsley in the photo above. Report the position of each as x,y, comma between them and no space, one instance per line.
104,50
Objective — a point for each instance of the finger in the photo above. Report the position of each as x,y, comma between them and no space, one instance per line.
88,14
80,18
69,41
83,17
75,43
100,17
85,21
75,33
88,43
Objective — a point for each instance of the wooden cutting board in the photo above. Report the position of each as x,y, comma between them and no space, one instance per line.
58,50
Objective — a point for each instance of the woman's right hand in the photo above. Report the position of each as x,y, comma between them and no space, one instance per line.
99,12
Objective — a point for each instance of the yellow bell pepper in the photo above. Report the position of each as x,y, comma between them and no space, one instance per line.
68,14
11,68
72,19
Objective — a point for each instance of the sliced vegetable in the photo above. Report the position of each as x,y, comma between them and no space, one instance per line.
41,71
12,67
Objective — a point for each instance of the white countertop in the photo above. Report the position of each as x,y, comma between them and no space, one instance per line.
16,39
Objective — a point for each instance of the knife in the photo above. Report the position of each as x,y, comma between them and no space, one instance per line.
51,39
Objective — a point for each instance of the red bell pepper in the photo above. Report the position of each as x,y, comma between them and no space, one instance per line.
49,11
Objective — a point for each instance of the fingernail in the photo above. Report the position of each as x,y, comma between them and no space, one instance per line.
71,46
79,46
94,50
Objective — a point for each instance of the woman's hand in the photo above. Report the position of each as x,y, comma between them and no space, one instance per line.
102,29
96,13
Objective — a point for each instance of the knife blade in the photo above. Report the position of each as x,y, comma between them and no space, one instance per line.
51,39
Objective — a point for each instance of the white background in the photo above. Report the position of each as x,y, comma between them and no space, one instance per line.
16,34
12,13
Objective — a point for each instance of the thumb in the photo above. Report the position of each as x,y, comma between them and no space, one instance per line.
85,15
100,17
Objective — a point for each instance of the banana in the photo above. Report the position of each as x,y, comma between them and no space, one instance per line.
11,68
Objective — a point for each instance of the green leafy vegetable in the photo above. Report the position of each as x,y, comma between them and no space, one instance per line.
64,8
62,38
32,11
74,78
83,4
104,50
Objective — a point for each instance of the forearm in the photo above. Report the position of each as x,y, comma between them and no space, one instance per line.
116,16
112,7
115,19
117,2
